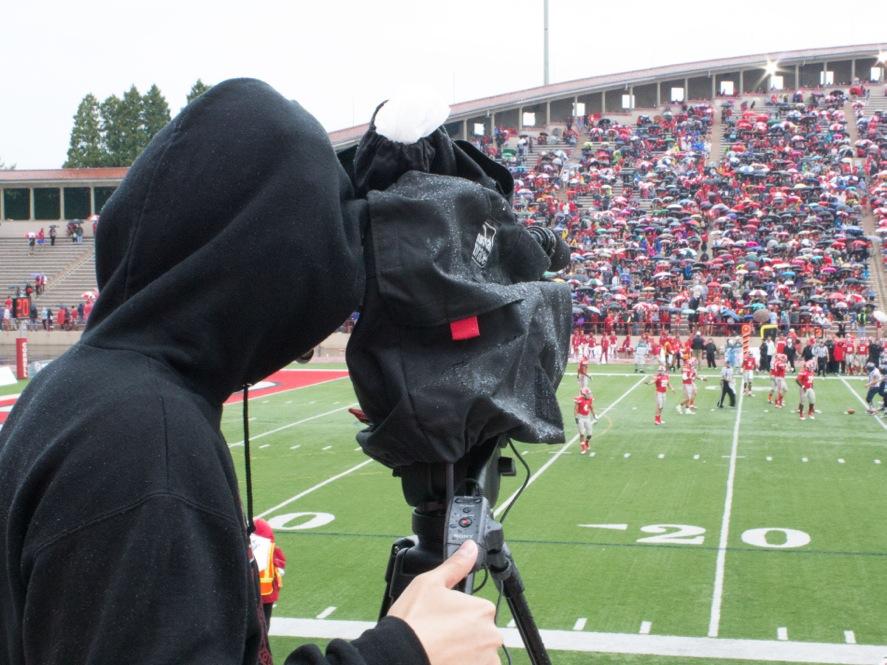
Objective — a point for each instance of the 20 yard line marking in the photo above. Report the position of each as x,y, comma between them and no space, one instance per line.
298,422
717,595
315,488
560,452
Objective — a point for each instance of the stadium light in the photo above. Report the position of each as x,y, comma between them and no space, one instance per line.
882,57
771,68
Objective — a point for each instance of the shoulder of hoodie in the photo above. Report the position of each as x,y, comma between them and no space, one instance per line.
120,432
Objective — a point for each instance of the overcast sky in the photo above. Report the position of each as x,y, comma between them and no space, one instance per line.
339,59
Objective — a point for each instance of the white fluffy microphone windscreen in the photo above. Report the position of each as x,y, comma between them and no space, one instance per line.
411,114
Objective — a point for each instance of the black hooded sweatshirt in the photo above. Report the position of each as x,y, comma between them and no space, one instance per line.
231,247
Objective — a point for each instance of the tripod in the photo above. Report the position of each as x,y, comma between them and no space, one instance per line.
442,519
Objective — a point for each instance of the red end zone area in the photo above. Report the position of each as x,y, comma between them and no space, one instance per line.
6,403
285,379
288,379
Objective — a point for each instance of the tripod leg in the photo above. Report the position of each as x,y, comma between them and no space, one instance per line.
512,587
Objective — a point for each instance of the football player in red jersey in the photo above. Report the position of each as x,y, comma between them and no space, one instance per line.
582,372
583,411
688,381
777,380
662,383
805,383
748,374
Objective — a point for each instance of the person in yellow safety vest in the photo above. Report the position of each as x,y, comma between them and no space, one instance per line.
271,562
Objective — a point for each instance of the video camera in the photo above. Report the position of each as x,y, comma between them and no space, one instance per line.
459,347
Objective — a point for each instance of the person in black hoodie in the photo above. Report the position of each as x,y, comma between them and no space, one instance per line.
122,537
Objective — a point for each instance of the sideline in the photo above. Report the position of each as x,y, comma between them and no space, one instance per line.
628,643
862,401
287,426
717,594
502,506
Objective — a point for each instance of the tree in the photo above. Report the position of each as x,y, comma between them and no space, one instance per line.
3,166
155,112
124,132
85,148
197,89
129,116
112,131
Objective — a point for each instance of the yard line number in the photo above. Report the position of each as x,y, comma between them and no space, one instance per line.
772,537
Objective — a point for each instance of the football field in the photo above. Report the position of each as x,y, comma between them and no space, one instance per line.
730,536
734,535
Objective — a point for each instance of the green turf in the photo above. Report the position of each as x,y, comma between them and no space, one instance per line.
824,478
641,476
13,388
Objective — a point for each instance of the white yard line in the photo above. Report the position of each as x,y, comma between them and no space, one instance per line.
289,390
298,422
862,401
315,488
717,594
626,643
563,449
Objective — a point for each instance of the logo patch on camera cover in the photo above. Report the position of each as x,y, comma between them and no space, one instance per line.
483,245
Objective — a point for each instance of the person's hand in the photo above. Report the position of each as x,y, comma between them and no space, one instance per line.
453,627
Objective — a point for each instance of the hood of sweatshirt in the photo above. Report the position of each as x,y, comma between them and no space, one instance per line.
233,244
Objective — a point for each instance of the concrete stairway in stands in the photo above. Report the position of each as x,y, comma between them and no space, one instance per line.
877,277
18,264
68,287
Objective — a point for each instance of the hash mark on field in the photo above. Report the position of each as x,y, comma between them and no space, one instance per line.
661,456
769,459
840,460
849,637
327,447
252,419
511,624
314,401
877,461
696,456
265,445
627,455
645,627
592,454
288,402
264,401
580,623
782,633
326,612
357,449
298,445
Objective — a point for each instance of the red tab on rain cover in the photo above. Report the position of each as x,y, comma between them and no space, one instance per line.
464,329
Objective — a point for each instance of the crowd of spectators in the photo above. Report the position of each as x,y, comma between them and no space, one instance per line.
664,238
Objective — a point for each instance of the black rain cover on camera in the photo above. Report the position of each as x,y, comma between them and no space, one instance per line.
444,247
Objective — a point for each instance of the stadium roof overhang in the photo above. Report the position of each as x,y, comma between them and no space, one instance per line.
344,138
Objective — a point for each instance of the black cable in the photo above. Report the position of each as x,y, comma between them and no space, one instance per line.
250,526
482,584
522,487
